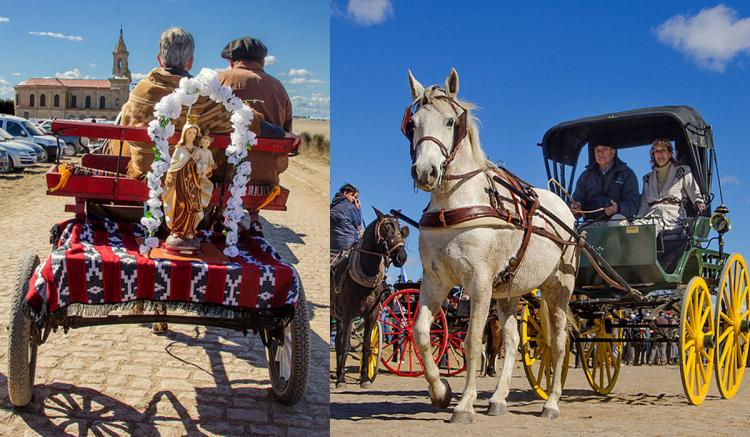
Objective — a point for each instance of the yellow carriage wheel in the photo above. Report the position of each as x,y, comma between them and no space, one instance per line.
732,325
601,361
376,348
697,340
537,353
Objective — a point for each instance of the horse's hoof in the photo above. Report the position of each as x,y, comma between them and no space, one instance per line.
464,417
549,413
497,408
442,403
365,384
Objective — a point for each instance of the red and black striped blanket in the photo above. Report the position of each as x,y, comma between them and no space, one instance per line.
97,263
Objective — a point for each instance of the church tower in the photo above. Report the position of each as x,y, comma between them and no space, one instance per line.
120,59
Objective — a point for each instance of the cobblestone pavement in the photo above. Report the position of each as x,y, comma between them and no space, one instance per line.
647,400
124,380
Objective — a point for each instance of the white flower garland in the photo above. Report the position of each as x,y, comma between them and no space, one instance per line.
206,83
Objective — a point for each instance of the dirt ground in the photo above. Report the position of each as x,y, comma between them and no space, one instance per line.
648,400
124,380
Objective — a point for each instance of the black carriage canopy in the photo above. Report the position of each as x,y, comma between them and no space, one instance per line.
693,140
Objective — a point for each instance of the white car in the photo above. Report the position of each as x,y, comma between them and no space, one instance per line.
19,155
23,129
41,154
5,165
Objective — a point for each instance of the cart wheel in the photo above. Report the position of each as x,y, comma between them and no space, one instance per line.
22,344
400,354
376,349
453,362
288,363
537,353
697,339
732,326
601,361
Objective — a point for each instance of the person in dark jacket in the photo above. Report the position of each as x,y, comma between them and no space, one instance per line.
607,190
346,218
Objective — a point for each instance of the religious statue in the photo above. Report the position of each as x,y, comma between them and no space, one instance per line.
187,189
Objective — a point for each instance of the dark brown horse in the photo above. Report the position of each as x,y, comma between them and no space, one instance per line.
357,283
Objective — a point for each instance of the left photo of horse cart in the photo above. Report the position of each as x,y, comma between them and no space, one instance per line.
188,299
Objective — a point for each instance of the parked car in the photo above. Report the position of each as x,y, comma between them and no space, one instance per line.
41,154
23,129
5,165
19,155
80,144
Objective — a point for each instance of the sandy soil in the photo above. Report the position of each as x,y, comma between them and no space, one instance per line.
648,400
312,127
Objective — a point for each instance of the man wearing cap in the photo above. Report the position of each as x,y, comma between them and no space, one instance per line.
607,190
267,95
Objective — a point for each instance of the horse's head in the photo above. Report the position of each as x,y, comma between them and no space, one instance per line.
390,237
435,124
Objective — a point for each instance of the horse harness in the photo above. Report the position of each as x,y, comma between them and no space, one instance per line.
525,201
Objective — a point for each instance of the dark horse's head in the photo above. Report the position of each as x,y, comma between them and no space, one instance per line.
387,237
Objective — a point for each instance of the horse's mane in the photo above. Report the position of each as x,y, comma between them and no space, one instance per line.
473,133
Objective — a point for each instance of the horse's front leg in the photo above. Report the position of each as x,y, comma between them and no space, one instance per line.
480,310
369,322
343,338
506,313
431,297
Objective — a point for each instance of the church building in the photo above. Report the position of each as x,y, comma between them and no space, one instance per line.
76,99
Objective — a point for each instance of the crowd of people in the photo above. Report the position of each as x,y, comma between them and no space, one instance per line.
663,345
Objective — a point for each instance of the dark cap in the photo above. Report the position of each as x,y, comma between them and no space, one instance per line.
244,48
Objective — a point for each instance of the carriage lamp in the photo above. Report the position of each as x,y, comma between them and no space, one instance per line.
719,220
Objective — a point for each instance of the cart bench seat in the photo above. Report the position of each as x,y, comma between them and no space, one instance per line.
98,263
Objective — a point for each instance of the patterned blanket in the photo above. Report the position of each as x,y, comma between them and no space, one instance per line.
97,263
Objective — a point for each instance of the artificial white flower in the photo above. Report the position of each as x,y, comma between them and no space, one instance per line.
169,106
232,237
231,251
152,242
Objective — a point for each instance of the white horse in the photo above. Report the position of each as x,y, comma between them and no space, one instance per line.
473,253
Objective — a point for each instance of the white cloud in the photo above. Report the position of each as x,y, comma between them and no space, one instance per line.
369,12
137,76
16,74
299,72
58,35
730,180
3,81
72,74
92,65
316,105
303,81
4,20
270,60
712,38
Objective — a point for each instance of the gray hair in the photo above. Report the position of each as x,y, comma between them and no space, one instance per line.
176,47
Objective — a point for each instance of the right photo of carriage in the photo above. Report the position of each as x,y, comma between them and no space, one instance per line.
626,269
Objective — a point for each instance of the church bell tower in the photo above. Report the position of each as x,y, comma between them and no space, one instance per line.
120,59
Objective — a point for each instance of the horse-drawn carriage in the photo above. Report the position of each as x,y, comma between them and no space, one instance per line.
671,270
96,266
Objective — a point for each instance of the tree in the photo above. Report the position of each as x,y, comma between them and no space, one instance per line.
6,107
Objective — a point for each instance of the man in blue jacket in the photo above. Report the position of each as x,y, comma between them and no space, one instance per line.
608,190
346,218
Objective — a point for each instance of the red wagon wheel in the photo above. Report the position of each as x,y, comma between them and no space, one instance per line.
397,315
453,362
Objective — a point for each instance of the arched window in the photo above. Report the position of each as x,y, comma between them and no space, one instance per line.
18,100
88,102
117,102
102,103
42,100
56,100
31,100
73,102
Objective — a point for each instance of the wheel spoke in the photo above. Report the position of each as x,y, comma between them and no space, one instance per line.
704,317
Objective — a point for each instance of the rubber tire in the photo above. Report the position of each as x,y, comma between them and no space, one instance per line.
291,391
21,347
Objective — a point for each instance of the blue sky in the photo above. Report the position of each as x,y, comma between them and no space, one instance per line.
529,68
77,39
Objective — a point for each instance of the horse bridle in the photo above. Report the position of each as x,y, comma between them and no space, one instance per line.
460,128
391,244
